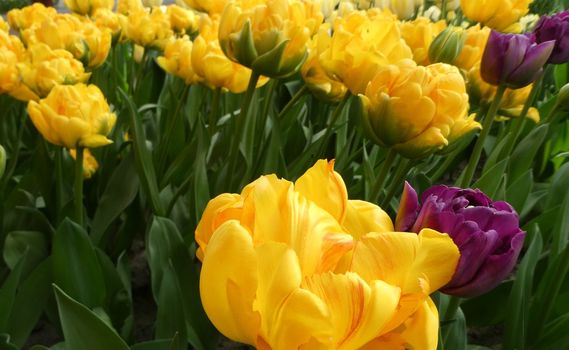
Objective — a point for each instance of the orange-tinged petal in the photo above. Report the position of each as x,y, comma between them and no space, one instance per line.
228,289
322,185
358,311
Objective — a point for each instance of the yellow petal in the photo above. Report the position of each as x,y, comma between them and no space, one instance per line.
363,217
358,311
228,289
322,185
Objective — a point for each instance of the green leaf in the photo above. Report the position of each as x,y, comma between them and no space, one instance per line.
496,154
82,328
163,344
25,313
8,293
120,191
516,324
477,347
558,189
5,343
555,335
19,242
525,152
518,192
490,181
76,268
169,319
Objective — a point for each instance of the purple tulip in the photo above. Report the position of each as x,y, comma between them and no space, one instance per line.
556,28
514,60
487,233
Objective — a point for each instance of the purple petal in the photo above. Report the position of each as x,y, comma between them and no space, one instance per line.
516,49
408,209
531,66
494,270
493,59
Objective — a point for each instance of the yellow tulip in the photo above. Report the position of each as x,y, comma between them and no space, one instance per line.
108,20
268,36
87,42
474,45
124,7
4,25
90,164
270,274
152,3
88,7
502,15
419,34
73,115
213,7
148,29
404,9
182,20
177,60
12,52
212,66
360,43
45,68
416,110
24,18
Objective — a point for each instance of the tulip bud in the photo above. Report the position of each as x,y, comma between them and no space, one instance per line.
487,233
563,98
555,28
447,46
514,60
2,161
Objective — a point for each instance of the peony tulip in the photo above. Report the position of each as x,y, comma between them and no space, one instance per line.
487,233
212,7
556,28
513,60
419,34
501,15
416,110
148,29
282,270
177,60
269,36
73,115
182,20
88,7
24,18
90,164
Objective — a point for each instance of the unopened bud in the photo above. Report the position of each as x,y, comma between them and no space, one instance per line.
563,98
446,46
2,161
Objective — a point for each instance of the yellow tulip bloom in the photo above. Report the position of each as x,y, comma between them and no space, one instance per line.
268,36
403,9
502,15
24,18
148,29
4,25
108,20
212,7
474,44
90,164
88,7
417,110
360,43
272,275
124,7
177,60
73,115
321,84
45,68
419,34
182,20
12,52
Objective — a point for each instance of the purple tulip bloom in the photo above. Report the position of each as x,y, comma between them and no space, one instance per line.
514,60
487,233
556,28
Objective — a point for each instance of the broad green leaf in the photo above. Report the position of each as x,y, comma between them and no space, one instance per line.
516,324
523,155
488,309
82,328
477,347
555,335
33,293
5,342
163,344
558,188
119,193
170,319
8,293
490,180
19,242
496,153
76,268
518,192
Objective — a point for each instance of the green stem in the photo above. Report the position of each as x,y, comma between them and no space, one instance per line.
165,140
402,171
477,152
59,190
330,129
241,118
444,9
11,168
179,192
260,140
382,176
78,187
297,96
214,111
448,317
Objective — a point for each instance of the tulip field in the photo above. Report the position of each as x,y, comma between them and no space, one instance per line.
284,174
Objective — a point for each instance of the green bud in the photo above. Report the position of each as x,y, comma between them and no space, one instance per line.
563,98
447,45
2,161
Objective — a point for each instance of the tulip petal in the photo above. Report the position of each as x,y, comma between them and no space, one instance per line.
323,186
363,217
358,311
228,290
531,66
408,209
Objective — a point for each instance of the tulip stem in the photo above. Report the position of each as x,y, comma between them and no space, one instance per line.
330,129
400,173
297,96
382,176
449,315
444,10
11,167
487,125
214,111
78,188
240,121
